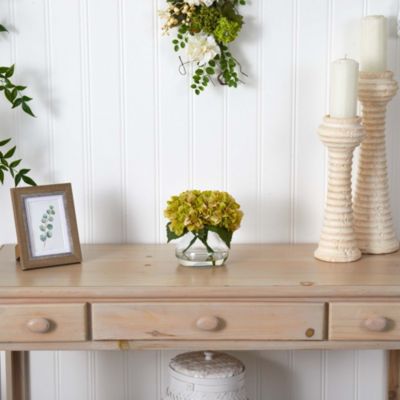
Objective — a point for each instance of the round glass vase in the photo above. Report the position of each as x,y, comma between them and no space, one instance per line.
193,252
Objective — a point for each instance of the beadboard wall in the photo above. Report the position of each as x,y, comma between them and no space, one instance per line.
115,118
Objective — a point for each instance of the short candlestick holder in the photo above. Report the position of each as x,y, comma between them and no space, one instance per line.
373,221
338,240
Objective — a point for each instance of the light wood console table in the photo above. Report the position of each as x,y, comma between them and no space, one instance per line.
137,297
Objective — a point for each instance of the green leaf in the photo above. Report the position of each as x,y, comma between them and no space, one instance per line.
15,163
27,109
10,152
28,181
10,71
1,176
9,84
24,171
17,103
224,234
8,95
210,71
4,142
172,235
3,70
3,28
14,94
17,179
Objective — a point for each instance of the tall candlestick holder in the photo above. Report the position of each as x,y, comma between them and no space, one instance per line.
338,240
373,221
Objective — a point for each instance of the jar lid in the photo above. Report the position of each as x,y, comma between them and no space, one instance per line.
207,364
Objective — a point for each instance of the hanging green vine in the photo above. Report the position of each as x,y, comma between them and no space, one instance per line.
14,94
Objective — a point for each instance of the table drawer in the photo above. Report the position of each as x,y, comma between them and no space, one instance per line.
43,323
364,321
202,321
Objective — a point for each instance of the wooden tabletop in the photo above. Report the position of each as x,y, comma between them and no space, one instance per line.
152,271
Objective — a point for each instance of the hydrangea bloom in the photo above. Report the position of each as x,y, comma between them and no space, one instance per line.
227,31
202,48
194,210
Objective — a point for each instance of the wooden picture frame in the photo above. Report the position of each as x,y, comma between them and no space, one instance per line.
43,239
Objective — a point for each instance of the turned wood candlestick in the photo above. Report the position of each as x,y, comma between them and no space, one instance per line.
373,221
338,240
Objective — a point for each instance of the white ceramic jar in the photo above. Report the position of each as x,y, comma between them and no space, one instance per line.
206,376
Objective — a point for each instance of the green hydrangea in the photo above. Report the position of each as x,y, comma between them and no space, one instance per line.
205,19
195,210
226,30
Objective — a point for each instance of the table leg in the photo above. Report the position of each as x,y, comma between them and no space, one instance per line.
394,371
14,375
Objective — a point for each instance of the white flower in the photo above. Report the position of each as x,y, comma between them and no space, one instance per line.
193,2
164,14
208,3
202,48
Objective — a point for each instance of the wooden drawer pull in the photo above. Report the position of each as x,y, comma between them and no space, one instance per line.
39,325
208,323
376,324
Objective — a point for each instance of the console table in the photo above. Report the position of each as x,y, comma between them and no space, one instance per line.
126,297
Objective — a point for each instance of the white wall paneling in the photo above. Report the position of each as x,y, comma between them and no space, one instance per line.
275,375
115,118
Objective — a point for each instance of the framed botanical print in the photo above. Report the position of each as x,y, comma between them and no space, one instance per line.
47,232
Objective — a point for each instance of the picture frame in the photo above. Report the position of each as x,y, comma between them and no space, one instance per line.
47,231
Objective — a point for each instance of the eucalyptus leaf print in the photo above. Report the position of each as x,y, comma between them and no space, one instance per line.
47,225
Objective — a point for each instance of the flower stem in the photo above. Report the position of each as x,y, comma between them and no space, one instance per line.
191,243
204,241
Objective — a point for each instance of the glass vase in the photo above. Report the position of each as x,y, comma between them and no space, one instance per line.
193,252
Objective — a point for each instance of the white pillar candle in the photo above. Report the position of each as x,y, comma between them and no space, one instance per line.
344,87
374,38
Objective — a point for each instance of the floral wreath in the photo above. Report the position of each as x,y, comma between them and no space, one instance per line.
205,28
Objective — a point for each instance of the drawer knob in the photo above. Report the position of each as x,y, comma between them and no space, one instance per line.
376,324
39,325
208,323
310,332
